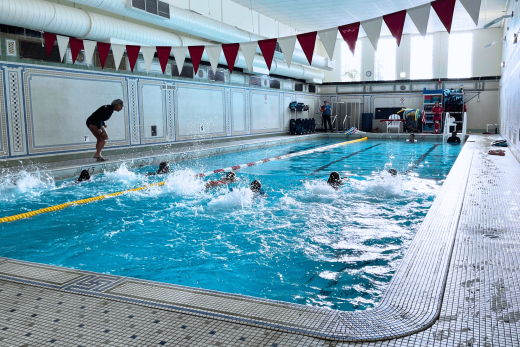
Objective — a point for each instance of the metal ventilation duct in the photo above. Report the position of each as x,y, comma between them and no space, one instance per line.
69,21
194,24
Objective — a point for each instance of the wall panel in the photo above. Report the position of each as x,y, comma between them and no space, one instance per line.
58,104
238,111
199,105
265,112
153,110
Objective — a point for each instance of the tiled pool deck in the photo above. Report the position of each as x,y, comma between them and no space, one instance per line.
456,286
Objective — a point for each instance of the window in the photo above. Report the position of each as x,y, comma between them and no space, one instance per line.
460,51
421,57
351,65
385,59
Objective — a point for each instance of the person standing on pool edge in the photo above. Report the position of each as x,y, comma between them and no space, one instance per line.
96,124
325,109
437,117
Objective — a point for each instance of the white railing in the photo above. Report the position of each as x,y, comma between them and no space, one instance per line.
447,124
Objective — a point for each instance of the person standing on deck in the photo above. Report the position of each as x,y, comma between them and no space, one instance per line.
96,124
437,117
325,109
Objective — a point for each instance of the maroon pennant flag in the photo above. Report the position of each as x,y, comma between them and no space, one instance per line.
230,52
308,41
267,47
133,53
444,9
195,55
350,34
75,46
49,42
103,50
395,22
163,52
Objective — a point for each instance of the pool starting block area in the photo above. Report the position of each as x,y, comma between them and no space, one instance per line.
457,285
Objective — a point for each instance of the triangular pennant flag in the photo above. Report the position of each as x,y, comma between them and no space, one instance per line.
420,16
372,28
133,53
249,51
179,53
287,45
90,47
328,38
103,49
230,52
163,52
213,53
49,42
444,9
350,34
63,42
76,45
195,56
308,41
473,8
267,47
148,53
395,22
118,51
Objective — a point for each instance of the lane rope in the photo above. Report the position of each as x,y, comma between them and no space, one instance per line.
205,174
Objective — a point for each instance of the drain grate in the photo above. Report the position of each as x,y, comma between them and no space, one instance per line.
491,236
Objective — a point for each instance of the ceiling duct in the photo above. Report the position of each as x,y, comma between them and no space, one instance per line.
187,21
69,21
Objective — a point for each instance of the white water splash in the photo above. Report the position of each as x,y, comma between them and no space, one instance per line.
184,182
236,199
122,174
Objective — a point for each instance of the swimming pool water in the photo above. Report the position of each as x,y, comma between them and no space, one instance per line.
303,242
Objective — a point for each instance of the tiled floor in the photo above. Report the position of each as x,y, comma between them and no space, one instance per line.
467,297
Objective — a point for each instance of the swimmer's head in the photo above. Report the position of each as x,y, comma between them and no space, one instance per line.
412,136
334,176
256,186
392,172
230,176
163,167
84,176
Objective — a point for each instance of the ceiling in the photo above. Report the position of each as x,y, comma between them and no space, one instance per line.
310,15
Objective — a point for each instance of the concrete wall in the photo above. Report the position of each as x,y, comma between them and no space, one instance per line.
44,109
509,119
486,61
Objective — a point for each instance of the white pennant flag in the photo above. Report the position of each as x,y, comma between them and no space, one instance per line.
420,16
90,47
473,8
214,56
287,46
372,28
328,38
148,53
179,53
63,42
249,51
118,51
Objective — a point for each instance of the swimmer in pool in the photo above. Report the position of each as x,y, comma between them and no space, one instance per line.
256,187
230,178
392,172
164,168
412,138
335,181
83,176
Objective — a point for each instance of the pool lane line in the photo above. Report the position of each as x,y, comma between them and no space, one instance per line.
341,159
103,197
421,159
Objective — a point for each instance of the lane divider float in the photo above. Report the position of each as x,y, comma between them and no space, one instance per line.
232,168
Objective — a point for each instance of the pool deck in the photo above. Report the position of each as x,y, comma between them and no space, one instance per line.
457,285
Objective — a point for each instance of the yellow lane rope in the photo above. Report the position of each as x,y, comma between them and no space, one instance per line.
103,197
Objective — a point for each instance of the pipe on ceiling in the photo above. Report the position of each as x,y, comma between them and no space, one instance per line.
194,24
69,21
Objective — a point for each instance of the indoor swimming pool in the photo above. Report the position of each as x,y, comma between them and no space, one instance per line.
302,242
